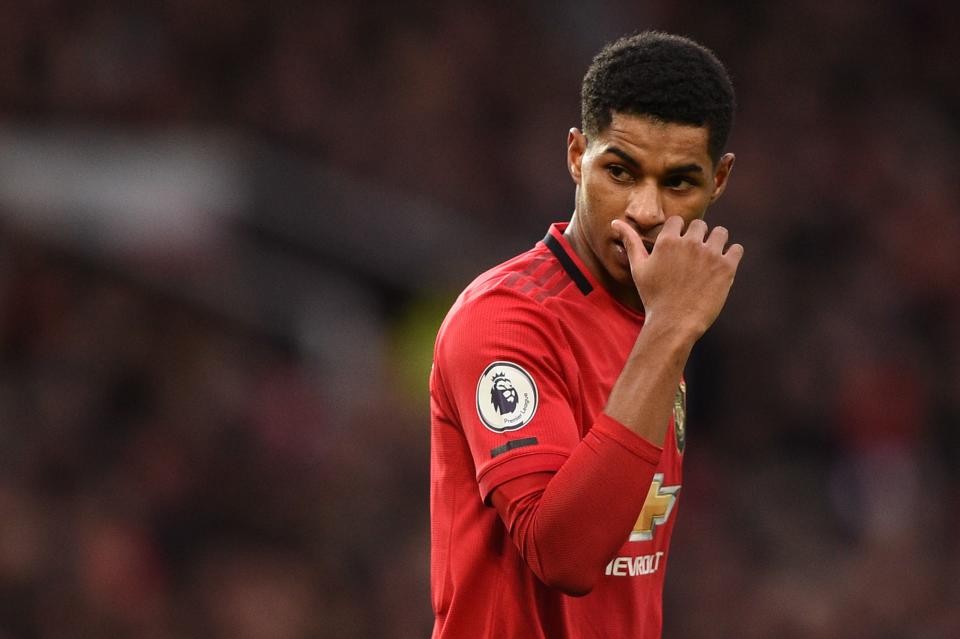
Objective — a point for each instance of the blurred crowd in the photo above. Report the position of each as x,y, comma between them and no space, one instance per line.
167,472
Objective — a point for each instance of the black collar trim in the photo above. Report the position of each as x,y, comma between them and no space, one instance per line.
568,264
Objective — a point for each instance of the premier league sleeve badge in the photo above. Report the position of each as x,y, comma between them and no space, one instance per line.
506,397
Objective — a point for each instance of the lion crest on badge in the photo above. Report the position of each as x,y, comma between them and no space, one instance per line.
506,397
503,395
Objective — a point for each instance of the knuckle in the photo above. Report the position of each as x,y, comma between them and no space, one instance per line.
665,241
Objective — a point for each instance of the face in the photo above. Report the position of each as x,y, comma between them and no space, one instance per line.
641,171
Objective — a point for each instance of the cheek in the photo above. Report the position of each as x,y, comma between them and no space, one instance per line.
603,201
689,209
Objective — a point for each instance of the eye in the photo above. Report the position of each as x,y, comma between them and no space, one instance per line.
680,183
619,173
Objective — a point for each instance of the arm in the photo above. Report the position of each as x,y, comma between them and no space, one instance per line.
683,285
554,518
683,289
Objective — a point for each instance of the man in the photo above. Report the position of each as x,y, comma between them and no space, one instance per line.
557,399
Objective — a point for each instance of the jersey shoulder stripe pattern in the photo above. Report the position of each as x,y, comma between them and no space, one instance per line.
543,277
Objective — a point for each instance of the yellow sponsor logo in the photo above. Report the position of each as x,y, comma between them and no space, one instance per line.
656,509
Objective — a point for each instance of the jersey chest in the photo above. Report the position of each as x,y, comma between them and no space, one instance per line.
599,346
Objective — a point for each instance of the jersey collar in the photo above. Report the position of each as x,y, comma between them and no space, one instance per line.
576,269
568,258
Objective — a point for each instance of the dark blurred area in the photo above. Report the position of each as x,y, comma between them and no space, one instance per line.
229,231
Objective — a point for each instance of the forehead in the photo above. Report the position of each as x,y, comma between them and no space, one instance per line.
645,136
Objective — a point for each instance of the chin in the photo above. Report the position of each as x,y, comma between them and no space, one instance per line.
618,273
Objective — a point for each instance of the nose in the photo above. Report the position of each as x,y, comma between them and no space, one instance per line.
644,207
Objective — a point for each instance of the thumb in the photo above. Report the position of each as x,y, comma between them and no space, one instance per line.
636,251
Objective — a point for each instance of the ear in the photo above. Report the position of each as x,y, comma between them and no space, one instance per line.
576,147
722,175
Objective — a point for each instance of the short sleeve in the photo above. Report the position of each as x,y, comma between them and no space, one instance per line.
505,375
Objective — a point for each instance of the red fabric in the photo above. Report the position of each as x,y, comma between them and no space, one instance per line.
571,341
597,484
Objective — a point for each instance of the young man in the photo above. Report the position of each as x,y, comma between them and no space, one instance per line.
557,399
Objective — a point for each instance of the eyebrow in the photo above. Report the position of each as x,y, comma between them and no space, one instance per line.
675,170
622,155
685,168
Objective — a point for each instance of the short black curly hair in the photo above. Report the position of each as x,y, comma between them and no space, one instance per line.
664,76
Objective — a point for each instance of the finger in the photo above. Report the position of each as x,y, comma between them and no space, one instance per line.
718,238
672,226
697,230
735,253
632,242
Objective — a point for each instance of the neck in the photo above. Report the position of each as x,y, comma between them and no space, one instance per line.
624,292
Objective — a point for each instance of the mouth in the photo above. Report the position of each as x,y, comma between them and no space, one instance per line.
620,254
621,249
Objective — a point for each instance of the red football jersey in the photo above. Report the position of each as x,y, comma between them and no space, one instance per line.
523,365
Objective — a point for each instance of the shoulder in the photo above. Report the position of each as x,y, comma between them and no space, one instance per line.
524,272
511,293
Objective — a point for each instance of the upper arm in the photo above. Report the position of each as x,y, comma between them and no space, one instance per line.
504,374
508,497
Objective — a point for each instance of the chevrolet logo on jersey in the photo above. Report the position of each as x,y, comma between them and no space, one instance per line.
656,509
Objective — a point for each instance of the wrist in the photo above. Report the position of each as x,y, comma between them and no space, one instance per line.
678,334
642,397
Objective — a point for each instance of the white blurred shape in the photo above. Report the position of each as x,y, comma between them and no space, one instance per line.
128,190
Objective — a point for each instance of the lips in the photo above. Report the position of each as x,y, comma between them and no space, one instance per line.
621,253
649,244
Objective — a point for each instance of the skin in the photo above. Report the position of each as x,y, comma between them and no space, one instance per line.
642,190
640,171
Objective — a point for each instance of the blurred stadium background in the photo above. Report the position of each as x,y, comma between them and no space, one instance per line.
229,230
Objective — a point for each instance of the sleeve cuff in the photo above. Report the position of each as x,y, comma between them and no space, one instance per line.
607,426
517,465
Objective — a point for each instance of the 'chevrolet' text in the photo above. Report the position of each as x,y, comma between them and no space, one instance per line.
634,566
